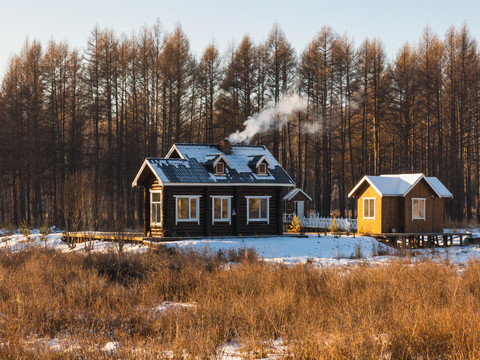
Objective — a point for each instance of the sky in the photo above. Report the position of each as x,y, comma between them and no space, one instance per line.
394,22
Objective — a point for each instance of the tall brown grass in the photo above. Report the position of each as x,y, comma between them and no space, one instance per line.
400,311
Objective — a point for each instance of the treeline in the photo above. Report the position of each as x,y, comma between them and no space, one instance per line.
77,124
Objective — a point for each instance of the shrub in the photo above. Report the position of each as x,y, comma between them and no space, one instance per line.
26,231
295,226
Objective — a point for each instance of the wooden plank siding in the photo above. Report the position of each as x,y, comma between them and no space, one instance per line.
369,226
395,212
290,204
433,210
238,224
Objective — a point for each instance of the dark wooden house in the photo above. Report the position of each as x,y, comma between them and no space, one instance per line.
212,190
297,202
404,203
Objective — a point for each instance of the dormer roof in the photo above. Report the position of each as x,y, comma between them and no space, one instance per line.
213,160
257,160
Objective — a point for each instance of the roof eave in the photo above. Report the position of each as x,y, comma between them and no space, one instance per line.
219,157
227,184
140,172
290,196
365,178
431,187
264,157
172,149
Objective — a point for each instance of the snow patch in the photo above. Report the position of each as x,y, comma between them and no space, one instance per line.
111,347
167,306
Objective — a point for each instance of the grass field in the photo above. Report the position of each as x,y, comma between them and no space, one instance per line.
165,303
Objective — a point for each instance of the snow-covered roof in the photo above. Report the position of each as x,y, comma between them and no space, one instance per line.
400,184
291,194
191,165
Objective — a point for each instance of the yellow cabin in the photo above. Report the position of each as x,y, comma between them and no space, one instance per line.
403,203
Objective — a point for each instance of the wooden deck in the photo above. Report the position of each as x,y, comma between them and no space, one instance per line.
131,237
422,240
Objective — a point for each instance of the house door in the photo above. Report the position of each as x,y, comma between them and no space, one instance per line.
300,208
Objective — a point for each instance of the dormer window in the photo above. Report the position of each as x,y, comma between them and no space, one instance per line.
259,164
262,169
220,168
217,164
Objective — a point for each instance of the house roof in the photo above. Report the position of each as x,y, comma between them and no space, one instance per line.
400,184
291,194
191,166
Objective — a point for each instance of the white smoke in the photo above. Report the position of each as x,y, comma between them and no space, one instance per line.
278,116
317,126
271,116
312,127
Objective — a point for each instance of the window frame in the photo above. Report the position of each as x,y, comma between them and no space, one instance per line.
216,168
374,203
197,207
222,197
259,219
151,206
259,167
424,200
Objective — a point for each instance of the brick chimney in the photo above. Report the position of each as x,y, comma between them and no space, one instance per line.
225,146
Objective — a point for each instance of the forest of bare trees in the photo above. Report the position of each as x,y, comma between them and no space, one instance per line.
76,124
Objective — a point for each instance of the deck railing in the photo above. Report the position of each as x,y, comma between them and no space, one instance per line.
314,221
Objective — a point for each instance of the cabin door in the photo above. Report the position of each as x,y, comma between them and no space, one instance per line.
300,208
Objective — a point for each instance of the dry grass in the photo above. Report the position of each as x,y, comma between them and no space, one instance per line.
400,311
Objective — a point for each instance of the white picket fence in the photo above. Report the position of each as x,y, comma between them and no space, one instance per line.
314,221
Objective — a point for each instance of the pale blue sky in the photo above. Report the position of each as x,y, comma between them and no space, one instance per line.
393,22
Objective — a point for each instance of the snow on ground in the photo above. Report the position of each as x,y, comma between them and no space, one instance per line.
18,242
168,306
321,250
271,350
324,250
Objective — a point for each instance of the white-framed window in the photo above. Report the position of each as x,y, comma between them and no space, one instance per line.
418,208
258,208
221,209
220,168
187,208
369,208
262,169
155,207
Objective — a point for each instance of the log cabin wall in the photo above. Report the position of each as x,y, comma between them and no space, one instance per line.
238,224
155,230
274,225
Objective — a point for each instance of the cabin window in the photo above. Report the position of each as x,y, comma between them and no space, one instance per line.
262,169
187,208
221,209
220,168
155,207
258,208
418,209
369,208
